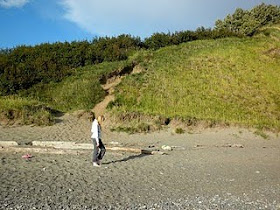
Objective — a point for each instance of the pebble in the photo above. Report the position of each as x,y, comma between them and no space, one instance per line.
166,148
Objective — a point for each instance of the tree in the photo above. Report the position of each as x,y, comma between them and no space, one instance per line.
247,22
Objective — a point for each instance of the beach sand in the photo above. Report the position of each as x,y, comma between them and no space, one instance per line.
222,168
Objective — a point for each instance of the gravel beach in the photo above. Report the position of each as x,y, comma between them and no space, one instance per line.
229,168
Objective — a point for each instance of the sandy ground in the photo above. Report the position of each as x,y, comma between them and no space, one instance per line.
202,171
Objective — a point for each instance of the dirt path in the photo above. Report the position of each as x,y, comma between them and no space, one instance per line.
109,87
100,108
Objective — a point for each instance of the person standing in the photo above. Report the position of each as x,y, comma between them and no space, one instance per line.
98,146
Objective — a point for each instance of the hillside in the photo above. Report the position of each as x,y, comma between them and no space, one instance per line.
226,81
232,81
41,103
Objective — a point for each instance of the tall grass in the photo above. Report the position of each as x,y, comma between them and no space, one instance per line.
24,111
82,90
230,80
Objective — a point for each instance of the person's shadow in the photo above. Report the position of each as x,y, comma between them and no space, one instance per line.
126,159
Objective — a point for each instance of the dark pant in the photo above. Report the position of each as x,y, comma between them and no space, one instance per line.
98,152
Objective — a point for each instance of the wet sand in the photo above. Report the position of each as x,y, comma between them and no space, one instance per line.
202,171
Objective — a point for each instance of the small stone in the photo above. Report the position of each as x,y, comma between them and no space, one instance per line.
166,148
237,145
198,145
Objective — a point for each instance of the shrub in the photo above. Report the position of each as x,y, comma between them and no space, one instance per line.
25,66
179,130
247,22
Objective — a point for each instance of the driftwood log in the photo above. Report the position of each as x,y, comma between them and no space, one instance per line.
62,147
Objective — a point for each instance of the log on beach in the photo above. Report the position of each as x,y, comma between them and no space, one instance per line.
8,143
41,150
64,147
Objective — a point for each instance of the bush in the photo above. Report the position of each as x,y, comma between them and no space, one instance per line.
247,22
25,66
179,130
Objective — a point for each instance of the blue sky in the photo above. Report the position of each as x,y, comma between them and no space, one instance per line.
31,22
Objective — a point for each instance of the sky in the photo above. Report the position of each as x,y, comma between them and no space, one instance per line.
31,22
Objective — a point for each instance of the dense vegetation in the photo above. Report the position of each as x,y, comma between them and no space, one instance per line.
206,75
38,104
24,66
81,90
247,22
230,81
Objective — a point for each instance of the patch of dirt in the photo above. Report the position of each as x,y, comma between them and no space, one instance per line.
100,108
82,114
117,73
137,69
109,82
112,83
274,52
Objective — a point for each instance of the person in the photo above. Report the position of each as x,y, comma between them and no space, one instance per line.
98,146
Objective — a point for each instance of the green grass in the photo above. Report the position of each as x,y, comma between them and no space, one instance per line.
24,111
232,81
261,134
81,91
179,130
139,128
272,31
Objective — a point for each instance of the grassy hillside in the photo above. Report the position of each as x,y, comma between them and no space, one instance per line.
232,80
80,91
228,81
16,110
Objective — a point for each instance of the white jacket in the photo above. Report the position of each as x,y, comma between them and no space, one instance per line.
96,131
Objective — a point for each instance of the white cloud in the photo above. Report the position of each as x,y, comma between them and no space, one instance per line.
144,17
13,3
136,17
